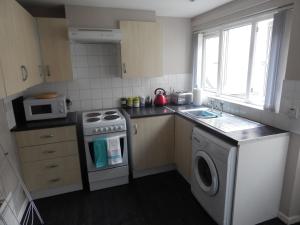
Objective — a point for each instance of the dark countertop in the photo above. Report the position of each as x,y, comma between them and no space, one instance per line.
235,137
148,111
71,119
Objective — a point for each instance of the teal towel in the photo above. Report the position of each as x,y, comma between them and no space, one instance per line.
100,152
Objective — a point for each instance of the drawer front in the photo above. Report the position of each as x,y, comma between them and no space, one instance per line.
46,136
48,151
52,173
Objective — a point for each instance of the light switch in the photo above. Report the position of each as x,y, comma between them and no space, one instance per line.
293,113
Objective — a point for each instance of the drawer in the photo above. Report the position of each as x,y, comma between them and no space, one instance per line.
46,136
48,151
52,173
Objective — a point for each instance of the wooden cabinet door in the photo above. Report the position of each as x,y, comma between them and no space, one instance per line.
19,42
141,49
12,49
153,142
32,51
183,146
55,48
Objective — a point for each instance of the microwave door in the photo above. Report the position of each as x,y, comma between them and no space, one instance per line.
41,109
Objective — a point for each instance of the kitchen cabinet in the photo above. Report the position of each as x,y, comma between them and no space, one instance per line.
19,41
183,146
141,49
50,160
152,142
55,49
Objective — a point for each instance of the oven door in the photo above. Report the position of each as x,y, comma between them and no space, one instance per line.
88,142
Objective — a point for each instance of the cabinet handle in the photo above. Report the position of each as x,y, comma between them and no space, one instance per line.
24,73
135,126
48,71
47,136
52,166
41,70
124,68
49,152
54,180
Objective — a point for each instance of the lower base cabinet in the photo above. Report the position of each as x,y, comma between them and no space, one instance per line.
183,146
50,160
152,142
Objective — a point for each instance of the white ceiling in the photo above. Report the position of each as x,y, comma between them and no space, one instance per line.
173,8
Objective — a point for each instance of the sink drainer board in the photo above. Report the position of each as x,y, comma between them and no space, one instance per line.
221,121
228,123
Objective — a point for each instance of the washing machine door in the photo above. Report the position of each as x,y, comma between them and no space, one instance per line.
205,173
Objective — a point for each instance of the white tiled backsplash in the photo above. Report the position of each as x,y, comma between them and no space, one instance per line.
97,79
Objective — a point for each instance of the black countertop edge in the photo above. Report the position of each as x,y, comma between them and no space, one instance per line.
235,137
148,112
70,120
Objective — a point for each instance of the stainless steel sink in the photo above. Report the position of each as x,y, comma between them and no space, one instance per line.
203,113
222,121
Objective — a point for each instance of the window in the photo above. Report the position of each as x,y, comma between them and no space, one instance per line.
235,61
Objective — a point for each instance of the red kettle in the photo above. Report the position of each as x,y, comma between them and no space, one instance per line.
160,97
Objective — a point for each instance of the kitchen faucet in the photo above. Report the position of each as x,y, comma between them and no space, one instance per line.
220,108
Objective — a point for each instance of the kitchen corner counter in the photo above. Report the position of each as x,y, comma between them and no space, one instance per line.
147,112
71,119
236,137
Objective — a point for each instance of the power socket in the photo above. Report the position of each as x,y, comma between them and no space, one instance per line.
293,112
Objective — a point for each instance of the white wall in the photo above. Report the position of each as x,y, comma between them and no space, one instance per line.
293,67
177,36
84,16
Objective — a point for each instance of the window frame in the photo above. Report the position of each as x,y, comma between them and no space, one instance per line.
219,31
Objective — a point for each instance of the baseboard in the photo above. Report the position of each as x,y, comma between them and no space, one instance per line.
55,191
288,220
143,173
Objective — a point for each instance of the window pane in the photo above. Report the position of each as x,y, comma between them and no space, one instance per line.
210,63
260,61
236,59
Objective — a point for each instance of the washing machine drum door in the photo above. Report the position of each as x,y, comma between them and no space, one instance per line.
205,173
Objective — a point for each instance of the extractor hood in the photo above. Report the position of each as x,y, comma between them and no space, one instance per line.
95,35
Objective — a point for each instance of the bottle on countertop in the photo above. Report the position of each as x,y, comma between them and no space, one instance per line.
136,102
129,102
148,101
142,101
123,102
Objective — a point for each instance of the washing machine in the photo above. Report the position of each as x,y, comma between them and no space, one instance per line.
213,175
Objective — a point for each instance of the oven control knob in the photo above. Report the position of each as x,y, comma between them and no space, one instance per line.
101,130
111,128
96,130
106,129
121,127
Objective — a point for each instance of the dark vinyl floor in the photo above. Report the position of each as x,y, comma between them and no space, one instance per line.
163,199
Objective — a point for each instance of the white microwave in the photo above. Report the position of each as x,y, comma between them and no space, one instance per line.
43,109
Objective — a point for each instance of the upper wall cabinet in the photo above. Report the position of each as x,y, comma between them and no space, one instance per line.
55,48
20,57
141,49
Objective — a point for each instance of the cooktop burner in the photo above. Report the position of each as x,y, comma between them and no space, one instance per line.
94,114
110,112
111,117
93,119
